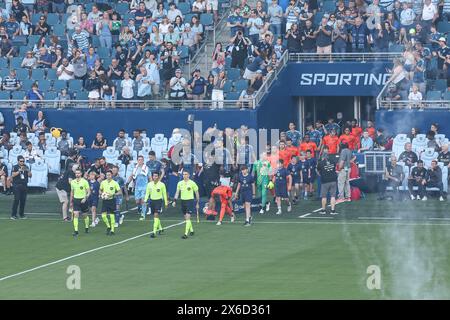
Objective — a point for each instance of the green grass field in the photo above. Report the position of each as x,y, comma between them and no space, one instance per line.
279,257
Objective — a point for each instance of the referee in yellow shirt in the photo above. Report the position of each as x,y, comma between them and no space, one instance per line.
188,191
79,193
111,189
156,192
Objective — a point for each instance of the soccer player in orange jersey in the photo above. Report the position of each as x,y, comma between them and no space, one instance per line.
224,195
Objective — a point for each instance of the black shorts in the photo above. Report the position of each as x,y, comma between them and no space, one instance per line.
187,206
109,206
156,205
78,206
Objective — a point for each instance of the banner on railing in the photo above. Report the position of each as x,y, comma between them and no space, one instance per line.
338,79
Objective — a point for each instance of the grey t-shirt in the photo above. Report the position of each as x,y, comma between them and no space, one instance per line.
345,157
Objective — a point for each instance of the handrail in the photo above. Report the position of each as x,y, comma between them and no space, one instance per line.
381,94
405,104
271,78
133,104
346,56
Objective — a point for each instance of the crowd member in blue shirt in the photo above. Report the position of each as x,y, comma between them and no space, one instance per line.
235,22
12,27
34,94
141,13
154,165
314,135
294,135
197,84
366,142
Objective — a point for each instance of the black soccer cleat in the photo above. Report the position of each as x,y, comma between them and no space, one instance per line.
75,234
160,232
86,230
108,231
191,233
152,235
111,233
184,236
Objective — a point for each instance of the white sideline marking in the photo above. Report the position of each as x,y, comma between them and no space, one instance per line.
85,252
439,218
305,215
379,218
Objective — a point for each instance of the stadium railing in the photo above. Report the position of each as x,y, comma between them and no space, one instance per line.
344,57
135,104
271,78
406,104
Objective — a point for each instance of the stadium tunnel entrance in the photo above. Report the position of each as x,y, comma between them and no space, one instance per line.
309,91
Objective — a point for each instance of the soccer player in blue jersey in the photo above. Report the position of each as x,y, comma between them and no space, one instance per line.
140,177
312,164
305,173
94,186
296,174
246,189
283,183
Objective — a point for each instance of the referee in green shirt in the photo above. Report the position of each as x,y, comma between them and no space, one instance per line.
79,193
157,193
188,191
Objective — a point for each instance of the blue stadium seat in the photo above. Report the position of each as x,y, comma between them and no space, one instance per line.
233,96
23,51
44,85
443,27
447,96
103,52
440,85
38,74
184,53
51,74
318,18
59,30
75,85
27,83
227,87
5,95
329,6
434,95
207,20
88,6
184,7
3,63
22,74
51,95
4,72
35,18
19,40
33,39
122,8
228,62
188,17
58,85
82,95
240,85
233,74
16,62
53,19
18,95
396,48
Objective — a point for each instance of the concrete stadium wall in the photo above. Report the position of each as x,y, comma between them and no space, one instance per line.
85,122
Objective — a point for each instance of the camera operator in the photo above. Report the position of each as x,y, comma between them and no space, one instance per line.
240,50
20,175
